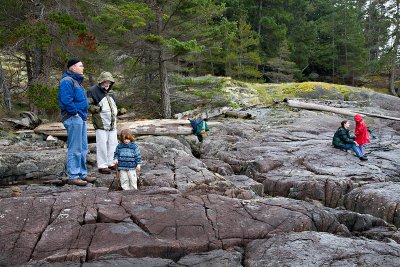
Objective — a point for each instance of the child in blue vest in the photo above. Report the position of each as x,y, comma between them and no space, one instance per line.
128,159
199,128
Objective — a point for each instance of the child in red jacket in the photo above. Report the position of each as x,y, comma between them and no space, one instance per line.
361,133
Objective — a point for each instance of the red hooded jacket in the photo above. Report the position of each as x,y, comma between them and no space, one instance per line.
360,131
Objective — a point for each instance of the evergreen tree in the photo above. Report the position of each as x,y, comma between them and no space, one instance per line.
392,54
38,33
376,27
169,30
340,50
242,57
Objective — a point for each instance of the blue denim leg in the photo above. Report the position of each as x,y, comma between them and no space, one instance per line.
77,147
354,148
83,172
361,147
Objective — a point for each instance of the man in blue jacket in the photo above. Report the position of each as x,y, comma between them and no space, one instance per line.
74,109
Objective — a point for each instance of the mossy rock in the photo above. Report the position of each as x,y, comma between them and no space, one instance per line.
229,92
360,96
320,92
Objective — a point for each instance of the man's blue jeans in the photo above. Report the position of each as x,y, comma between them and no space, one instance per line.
77,147
354,147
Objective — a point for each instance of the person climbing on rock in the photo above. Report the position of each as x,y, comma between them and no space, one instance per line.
199,127
343,140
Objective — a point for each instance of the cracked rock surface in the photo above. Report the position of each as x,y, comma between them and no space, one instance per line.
271,191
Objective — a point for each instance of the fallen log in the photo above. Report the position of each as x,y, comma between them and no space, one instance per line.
127,116
312,106
238,114
144,127
210,113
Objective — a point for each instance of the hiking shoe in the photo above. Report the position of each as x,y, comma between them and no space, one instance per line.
77,181
64,180
363,158
112,167
89,179
104,170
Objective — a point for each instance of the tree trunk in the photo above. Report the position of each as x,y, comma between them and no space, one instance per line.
165,96
6,91
260,8
28,64
392,76
333,50
392,79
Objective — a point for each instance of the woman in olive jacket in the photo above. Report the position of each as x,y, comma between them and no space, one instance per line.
104,117
343,140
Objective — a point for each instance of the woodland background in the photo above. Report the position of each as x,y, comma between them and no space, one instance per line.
157,47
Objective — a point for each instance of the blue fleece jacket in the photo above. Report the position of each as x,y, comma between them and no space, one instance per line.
128,156
72,97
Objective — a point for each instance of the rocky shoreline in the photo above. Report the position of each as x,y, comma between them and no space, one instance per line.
270,191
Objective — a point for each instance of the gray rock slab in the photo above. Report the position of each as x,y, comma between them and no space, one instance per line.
33,164
320,249
381,200
216,258
245,182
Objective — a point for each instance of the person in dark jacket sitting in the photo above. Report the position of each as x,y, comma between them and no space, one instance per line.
343,140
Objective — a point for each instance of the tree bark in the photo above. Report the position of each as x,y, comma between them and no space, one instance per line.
6,91
392,76
165,96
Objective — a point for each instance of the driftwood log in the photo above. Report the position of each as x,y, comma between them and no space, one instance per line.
312,106
144,127
238,114
210,113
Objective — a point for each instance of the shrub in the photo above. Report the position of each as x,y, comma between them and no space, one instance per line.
44,98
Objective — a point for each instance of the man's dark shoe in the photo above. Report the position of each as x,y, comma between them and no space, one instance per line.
64,180
104,170
363,158
77,181
89,179
112,167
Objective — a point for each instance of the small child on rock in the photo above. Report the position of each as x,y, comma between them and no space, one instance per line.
361,133
127,156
